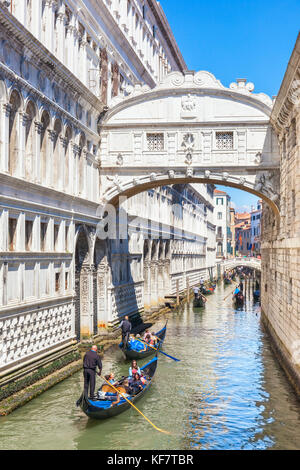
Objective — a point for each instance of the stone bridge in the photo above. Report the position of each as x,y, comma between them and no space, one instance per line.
250,262
189,129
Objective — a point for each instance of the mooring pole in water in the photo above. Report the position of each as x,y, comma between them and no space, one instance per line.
177,292
187,289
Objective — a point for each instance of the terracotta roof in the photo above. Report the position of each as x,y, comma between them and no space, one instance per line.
242,215
217,191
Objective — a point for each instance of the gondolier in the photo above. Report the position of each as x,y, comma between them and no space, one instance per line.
90,362
126,328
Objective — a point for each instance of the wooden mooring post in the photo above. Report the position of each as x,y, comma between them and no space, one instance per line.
187,289
177,292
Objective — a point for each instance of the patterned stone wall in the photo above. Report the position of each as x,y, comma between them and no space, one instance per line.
281,237
26,334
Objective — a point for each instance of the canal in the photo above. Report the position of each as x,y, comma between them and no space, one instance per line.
228,392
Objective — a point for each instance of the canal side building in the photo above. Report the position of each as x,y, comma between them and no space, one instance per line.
62,62
222,221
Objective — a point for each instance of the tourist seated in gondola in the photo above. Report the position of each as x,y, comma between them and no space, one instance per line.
135,384
134,369
110,378
124,388
147,332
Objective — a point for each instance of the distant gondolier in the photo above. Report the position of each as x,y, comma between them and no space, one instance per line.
126,328
90,362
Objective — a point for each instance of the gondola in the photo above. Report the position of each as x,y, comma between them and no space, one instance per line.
256,295
198,302
134,348
102,409
239,300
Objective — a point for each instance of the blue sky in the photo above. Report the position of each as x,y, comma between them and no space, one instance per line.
250,39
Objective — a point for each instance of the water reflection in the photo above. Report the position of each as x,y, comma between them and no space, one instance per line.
228,392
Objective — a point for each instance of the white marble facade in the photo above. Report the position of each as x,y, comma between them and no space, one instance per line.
61,64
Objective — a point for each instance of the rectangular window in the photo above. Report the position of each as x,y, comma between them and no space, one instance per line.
56,230
57,282
44,226
219,215
224,140
67,280
28,234
12,231
67,237
155,142
220,201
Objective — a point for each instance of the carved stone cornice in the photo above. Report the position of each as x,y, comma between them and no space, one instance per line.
7,108
16,30
38,126
52,134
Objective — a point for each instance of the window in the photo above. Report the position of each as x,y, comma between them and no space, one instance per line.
67,280
28,234
219,215
224,140
56,230
12,230
57,282
44,226
67,237
155,142
219,201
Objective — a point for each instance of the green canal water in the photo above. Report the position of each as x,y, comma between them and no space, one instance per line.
228,392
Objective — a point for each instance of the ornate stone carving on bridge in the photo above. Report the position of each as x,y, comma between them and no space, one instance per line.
268,182
115,183
188,107
193,81
188,145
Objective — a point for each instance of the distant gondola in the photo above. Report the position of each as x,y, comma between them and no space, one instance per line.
239,300
135,348
256,295
198,302
102,409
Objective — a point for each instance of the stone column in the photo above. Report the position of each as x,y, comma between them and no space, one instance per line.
49,24
52,135
154,289
60,26
37,151
86,301
102,284
5,113
147,285
115,78
75,169
36,26
23,117
63,144
104,75
160,282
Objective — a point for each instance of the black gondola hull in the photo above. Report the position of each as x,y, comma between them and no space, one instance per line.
92,411
139,355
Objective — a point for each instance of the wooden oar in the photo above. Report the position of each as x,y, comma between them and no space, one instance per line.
230,293
118,391
158,350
